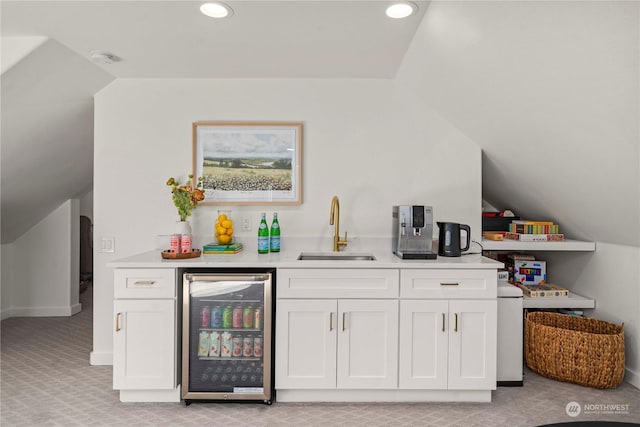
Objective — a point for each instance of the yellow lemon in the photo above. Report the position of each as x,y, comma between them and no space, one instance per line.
222,217
227,223
221,230
229,231
224,239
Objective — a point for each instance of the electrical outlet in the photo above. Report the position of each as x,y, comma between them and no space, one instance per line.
108,244
246,223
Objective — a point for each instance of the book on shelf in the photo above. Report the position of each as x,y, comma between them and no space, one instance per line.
530,272
545,290
534,228
214,248
493,235
512,259
525,237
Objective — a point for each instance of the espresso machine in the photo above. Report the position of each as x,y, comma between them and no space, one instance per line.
412,232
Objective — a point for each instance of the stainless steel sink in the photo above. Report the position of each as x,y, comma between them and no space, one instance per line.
335,256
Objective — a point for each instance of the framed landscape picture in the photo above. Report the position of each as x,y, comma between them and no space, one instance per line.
249,162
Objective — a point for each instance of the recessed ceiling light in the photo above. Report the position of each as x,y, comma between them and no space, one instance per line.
216,10
401,10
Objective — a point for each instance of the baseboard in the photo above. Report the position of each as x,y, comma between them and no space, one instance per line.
76,308
5,314
632,378
100,358
150,395
62,311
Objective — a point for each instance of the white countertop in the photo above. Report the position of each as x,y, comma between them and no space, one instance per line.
292,247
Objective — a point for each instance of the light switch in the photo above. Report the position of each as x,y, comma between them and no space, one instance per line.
107,244
246,223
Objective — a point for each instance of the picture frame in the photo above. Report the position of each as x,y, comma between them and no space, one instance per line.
248,163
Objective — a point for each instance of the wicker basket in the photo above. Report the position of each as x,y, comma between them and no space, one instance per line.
580,350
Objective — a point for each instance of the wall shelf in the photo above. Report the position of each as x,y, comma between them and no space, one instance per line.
516,245
572,301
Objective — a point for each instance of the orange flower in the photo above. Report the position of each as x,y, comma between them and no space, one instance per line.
185,197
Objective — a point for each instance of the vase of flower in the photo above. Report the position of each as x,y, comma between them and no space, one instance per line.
185,197
183,227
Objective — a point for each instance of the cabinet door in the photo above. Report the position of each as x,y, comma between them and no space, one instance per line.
424,332
367,344
144,350
472,344
306,344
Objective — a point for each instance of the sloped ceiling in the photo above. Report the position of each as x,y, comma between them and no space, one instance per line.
550,91
47,134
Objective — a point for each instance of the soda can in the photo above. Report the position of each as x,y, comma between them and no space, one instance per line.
214,348
237,316
247,317
257,346
247,346
185,243
225,348
205,317
227,317
237,346
257,322
216,317
203,344
175,244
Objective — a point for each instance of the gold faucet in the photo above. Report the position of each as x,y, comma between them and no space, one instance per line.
335,215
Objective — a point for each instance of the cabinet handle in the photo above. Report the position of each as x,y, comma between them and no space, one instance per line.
442,322
331,321
118,322
456,326
449,284
344,321
144,282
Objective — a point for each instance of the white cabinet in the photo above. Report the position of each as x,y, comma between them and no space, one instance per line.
448,344
328,344
424,335
424,344
448,340
306,344
143,356
145,335
367,344
473,344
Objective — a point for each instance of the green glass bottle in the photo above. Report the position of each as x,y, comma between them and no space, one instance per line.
274,240
263,235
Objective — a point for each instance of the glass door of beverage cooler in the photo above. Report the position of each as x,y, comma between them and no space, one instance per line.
226,337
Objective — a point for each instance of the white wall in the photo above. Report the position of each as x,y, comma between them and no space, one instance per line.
86,204
40,270
367,141
6,255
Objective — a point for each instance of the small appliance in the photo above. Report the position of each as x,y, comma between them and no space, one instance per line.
449,238
412,233
509,369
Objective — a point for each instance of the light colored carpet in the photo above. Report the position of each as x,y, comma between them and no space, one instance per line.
46,380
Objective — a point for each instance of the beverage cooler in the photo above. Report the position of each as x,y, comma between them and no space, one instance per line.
227,336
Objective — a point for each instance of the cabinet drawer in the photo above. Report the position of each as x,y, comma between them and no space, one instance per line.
448,283
337,283
144,283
